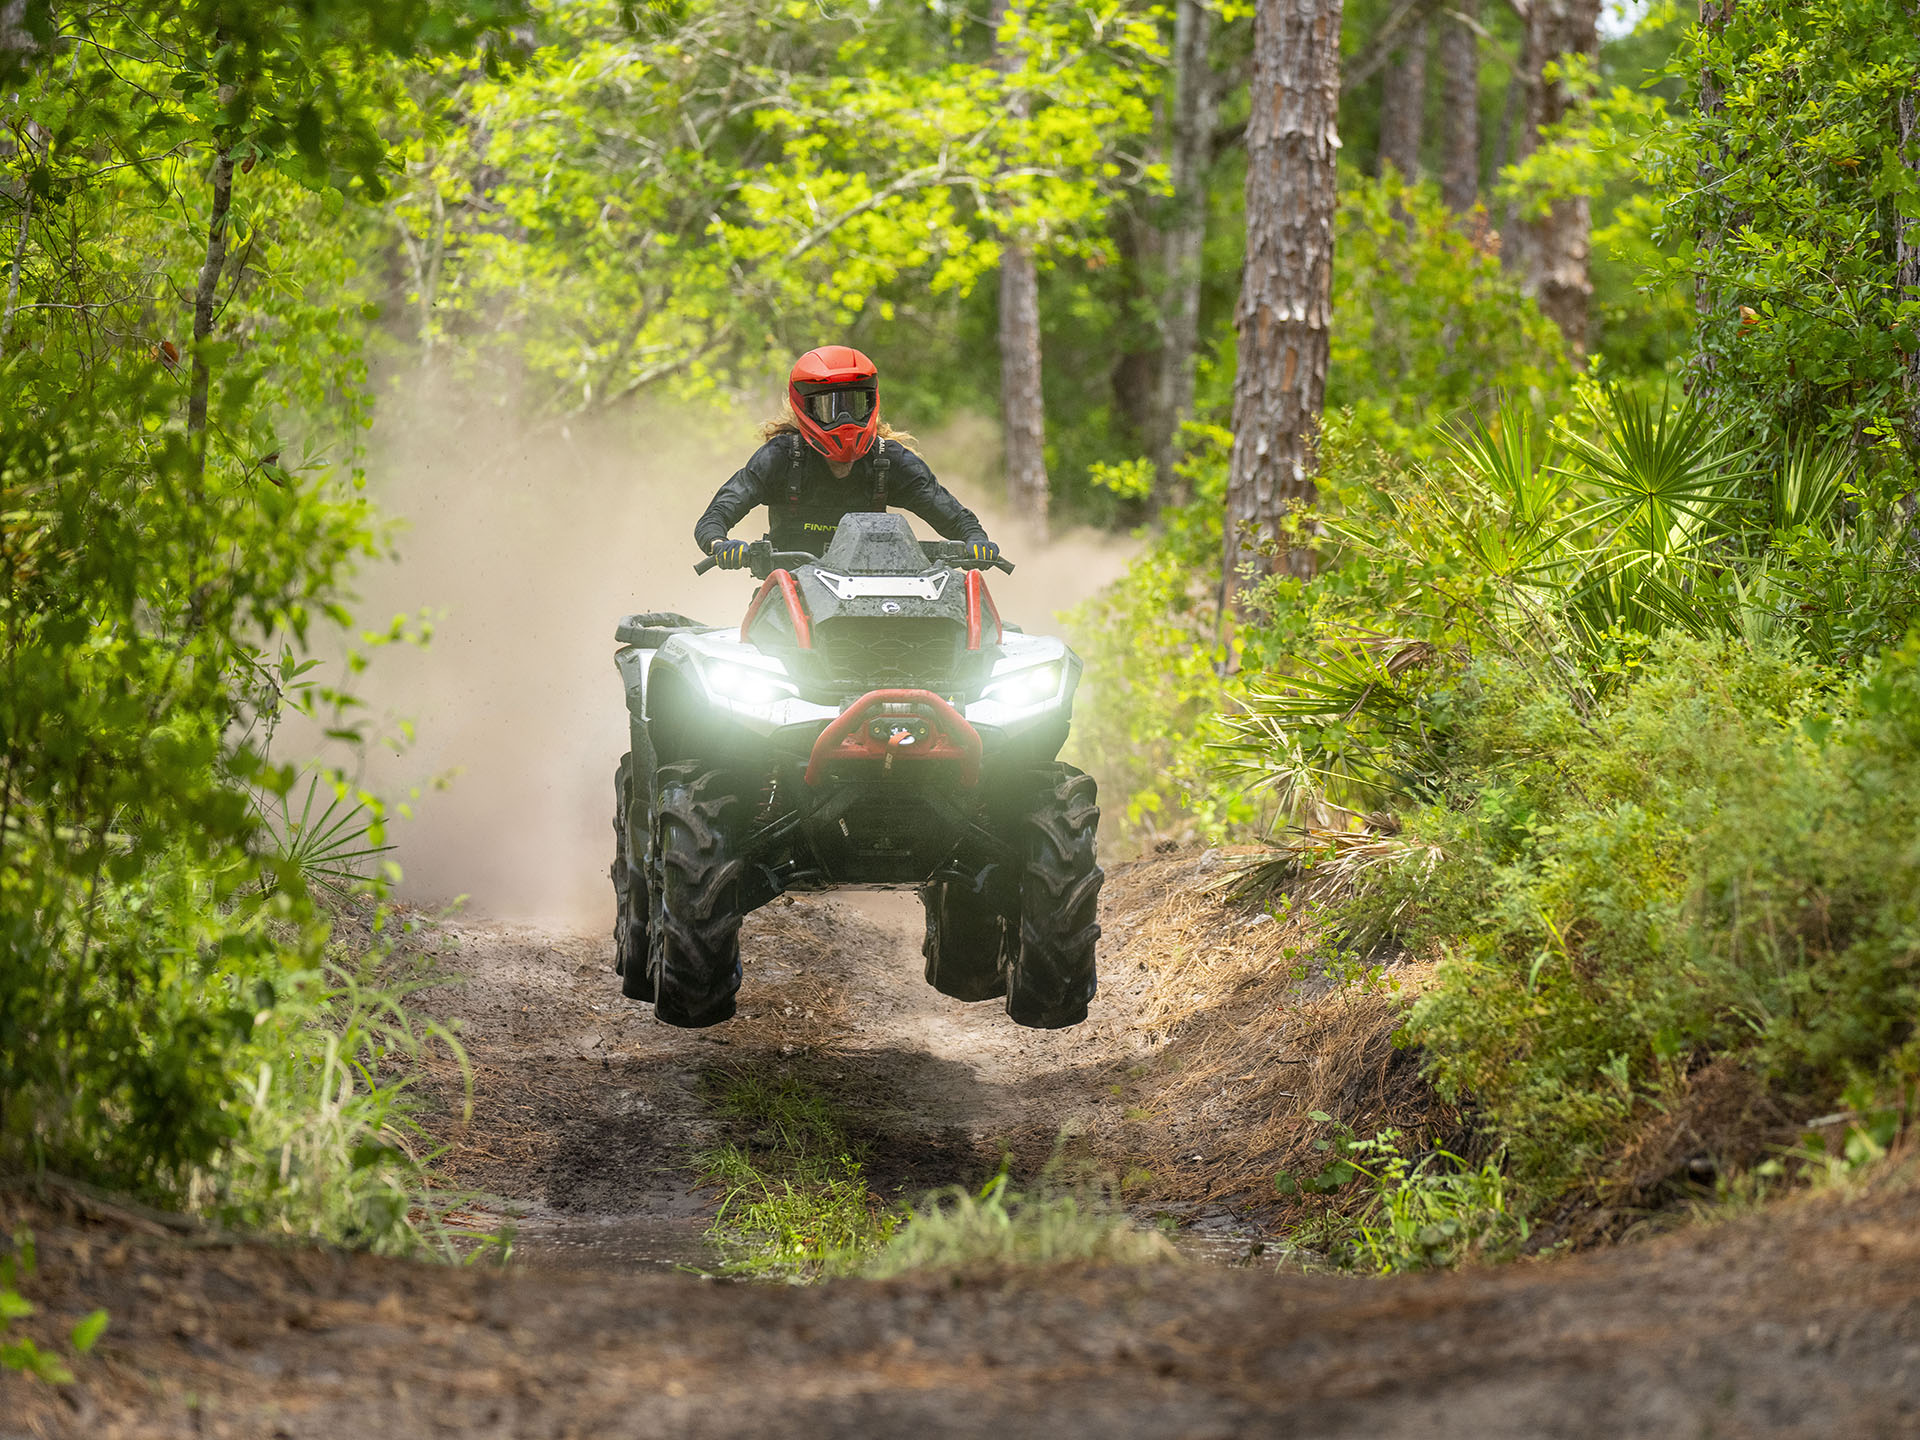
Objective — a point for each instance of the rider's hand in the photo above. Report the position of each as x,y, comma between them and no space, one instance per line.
729,554
983,551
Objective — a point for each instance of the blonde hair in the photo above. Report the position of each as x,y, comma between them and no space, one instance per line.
785,424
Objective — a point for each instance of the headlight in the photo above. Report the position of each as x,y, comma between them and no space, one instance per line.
1022,688
746,683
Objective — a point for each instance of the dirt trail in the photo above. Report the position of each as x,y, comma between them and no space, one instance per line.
1802,1321
591,1115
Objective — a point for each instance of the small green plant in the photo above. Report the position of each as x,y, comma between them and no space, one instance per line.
998,1226
1428,1212
1336,1172
325,851
794,1200
1423,1212
18,1352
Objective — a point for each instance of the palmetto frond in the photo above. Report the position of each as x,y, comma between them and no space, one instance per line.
325,847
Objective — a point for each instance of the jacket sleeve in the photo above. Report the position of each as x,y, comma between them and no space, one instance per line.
911,486
750,486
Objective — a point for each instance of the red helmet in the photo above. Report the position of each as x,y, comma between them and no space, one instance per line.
835,394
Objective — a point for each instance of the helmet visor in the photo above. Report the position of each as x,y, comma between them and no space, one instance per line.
833,408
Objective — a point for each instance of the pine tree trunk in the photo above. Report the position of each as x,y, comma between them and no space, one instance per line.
1907,242
1403,104
208,291
1023,415
1556,246
1189,151
1460,106
1135,376
1286,288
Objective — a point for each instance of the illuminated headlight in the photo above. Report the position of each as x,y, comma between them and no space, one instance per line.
1032,686
748,684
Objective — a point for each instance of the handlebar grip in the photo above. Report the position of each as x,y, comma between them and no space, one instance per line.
1004,566
705,565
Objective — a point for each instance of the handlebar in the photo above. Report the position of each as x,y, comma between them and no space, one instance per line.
763,559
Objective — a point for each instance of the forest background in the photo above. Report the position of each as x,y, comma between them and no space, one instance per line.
1572,657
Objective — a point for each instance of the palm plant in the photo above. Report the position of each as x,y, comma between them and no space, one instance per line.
1554,548
324,851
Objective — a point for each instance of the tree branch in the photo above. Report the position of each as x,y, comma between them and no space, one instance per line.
204,296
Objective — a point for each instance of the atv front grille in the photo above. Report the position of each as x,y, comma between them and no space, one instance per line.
881,654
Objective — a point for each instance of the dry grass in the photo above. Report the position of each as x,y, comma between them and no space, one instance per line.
1246,1046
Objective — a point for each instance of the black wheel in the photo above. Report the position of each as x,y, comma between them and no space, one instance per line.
630,898
694,954
969,935
1051,978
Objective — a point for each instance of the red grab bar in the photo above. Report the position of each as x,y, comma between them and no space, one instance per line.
953,740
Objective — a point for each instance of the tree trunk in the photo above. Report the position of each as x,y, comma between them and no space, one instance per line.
1403,104
1135,376
207,292
1189,151
1556,246
1714,15
1286,287
1907,253
13,270
1460,106
1023,415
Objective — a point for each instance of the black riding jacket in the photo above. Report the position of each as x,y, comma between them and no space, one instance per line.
805,501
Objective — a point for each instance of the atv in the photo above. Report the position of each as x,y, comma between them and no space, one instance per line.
872,723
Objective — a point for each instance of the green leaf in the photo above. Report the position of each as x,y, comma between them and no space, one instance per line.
86,1333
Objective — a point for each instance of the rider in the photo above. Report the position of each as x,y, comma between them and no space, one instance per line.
827,456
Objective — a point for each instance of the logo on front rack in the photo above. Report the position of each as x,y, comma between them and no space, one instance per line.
892,607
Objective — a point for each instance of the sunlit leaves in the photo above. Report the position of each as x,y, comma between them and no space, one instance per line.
631,205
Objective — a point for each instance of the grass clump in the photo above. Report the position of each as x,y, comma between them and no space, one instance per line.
794,1199
1423,1211
998,1226
795,1204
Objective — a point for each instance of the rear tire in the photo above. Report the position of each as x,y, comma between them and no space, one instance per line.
969,935
1051,980
630,895
694,956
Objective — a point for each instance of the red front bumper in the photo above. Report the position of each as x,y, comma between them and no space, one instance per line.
892,727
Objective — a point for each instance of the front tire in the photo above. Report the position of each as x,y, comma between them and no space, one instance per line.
694,956
630,895
969,936
1051,980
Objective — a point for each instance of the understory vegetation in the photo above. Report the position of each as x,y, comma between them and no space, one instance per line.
1600,702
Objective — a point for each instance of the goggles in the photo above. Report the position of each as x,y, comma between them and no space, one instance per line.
832,408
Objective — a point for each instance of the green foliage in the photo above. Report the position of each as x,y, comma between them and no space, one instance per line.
21,1354
1427,325
684,199
1384,1211
1784,187
1416,301
1715,865
170,1021
998,1227
1566,550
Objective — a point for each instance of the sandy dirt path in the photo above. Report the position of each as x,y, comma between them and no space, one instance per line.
590,1115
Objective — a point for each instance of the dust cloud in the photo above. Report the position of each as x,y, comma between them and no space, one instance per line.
527,542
